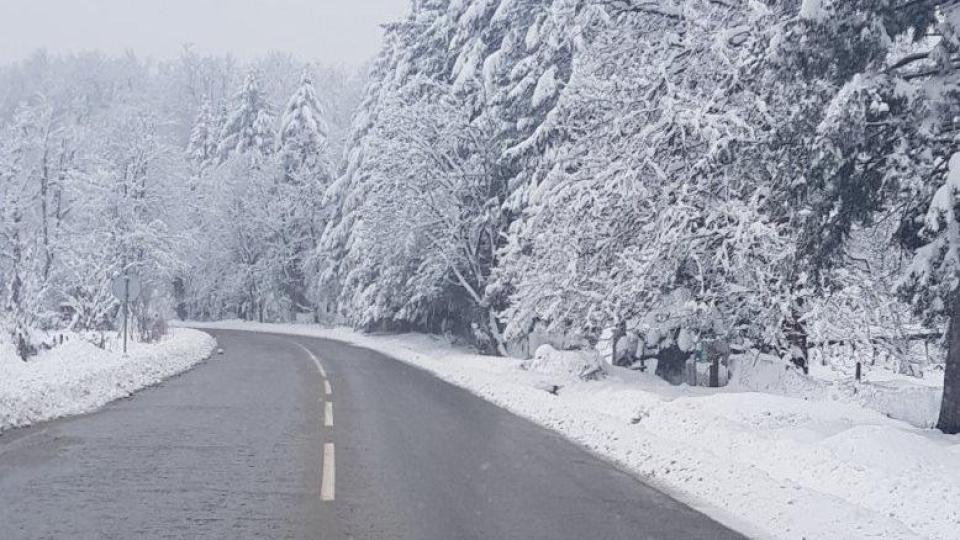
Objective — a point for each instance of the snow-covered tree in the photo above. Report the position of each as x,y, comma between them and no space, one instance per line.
203,145
925,83
98,161
248,128
345,193
430,191
303,131
307,174
647,201
20,280
874,137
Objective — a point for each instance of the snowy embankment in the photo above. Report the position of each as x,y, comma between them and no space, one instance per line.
768,465
78,377
915,401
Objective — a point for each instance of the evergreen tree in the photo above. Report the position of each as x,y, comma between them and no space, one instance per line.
303,133
202,148
345,194
248,128
306,171
926,162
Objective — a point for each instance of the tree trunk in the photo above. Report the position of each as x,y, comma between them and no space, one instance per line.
796,333
949,421
496,333
45,215
620,330
179,295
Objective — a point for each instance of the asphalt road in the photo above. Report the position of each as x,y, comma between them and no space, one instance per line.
240,448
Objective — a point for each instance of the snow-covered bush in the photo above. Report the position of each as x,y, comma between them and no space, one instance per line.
582,365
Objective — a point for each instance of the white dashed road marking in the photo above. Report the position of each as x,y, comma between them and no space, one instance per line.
328,480
328,483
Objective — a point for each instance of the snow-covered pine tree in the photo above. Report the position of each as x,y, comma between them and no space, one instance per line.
431,86
372,291
832,133
924,78
344,195
202,148
303,133
307,173
481,56
874,105
248,127
264,136
515,60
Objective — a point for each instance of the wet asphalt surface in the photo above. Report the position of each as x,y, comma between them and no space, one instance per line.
234,450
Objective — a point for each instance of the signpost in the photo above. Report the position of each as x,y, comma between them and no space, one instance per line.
126,287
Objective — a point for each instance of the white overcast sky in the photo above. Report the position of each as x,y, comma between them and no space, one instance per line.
329,31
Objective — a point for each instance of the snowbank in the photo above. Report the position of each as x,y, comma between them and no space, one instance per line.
576,365
768,465
917,404
77,377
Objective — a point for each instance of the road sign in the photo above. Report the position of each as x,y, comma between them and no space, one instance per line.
127,286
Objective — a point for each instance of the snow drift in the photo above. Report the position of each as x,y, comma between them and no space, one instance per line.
78,377
576,365
915,404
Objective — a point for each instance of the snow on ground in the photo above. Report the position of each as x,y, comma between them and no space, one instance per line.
768,465
78,377
915,401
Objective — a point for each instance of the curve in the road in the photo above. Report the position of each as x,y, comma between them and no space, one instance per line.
237,449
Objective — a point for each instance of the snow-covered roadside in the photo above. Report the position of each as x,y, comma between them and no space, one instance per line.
915,401
77,377
768,465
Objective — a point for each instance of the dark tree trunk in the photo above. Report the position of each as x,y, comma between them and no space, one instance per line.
671,363
45,214
950,408
797,340
619,332
179,294
718,351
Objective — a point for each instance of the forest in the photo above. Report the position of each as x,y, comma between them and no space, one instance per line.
777,176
